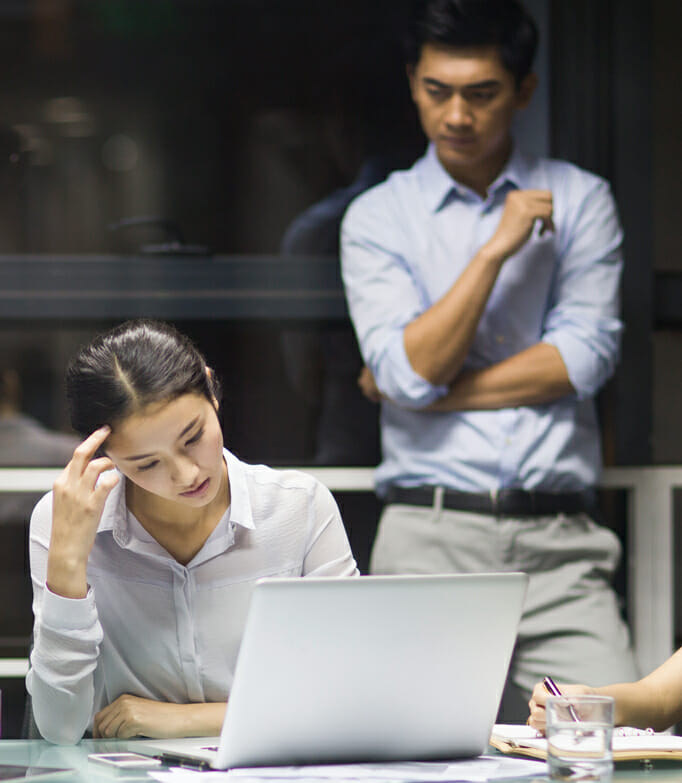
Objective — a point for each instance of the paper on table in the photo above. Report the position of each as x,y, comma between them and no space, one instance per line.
478,770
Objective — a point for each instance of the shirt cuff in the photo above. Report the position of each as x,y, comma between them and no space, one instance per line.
587,370
397,379
69,614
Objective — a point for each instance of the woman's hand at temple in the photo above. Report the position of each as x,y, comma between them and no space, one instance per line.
79,495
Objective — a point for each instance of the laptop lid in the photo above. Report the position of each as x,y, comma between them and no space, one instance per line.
376,668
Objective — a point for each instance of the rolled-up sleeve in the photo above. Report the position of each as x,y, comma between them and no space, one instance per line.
383,297
583,320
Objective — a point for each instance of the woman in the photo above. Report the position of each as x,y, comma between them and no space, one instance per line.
144,555
654,702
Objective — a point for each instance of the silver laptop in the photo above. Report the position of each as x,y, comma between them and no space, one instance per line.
375,668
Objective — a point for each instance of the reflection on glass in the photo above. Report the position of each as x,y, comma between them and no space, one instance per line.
230,117
364,123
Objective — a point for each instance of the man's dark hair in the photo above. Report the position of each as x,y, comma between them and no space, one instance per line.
136,364
463,23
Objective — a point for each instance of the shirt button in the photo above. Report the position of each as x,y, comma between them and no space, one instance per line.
499,338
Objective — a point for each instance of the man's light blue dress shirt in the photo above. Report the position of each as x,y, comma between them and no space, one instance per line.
405,242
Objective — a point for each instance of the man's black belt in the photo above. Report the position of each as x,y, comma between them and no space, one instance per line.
502,502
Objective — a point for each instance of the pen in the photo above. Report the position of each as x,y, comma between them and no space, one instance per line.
551,687
182,761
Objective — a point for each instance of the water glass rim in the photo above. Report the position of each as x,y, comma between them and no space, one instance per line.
589,698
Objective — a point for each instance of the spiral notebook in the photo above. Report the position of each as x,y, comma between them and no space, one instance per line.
628,744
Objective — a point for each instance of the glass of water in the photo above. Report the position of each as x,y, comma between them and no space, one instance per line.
579,732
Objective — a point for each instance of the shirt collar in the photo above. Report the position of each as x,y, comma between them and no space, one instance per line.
439,187
240,499
115,513
516,172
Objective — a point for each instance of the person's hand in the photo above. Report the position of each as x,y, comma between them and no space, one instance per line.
79,495
537,702
368,385
132,716
522,208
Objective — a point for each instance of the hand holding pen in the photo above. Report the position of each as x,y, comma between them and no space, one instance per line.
551,687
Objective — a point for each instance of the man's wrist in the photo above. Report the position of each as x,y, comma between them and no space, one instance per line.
491,253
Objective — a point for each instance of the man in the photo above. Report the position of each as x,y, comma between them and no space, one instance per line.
483,287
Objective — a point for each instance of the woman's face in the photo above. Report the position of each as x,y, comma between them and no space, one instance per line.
172,450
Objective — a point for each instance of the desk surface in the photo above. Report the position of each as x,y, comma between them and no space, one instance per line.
42,754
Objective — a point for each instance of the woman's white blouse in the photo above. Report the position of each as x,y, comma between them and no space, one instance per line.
152,627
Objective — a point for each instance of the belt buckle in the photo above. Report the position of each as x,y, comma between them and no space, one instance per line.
438,497
493,494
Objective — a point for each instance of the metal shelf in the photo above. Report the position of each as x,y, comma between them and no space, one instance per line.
86,287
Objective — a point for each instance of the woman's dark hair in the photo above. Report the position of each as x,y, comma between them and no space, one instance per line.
463,23
135,364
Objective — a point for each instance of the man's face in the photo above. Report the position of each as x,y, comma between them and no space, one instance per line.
467,100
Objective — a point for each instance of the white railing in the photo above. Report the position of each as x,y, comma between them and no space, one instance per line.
650,567
651,558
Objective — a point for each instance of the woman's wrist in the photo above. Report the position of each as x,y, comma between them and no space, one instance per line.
203,720
69,580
